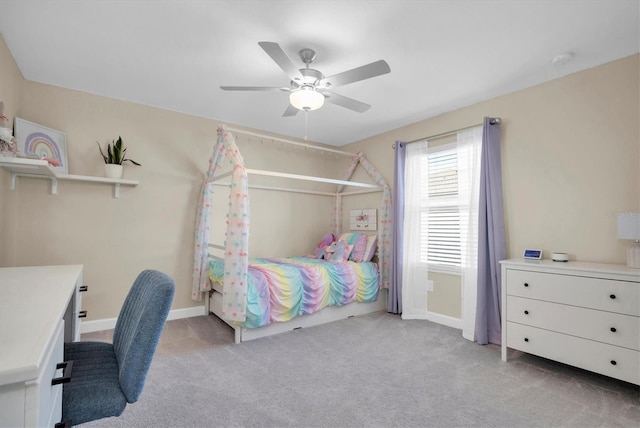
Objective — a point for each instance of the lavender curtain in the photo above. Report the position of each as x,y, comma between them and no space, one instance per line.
394,303
491,238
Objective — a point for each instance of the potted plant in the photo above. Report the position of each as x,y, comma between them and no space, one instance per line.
114,158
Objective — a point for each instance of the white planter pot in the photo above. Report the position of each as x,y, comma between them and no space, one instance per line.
112,170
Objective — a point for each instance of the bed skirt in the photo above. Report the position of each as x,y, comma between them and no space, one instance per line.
213,303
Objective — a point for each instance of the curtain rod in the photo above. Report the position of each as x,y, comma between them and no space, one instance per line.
493,121
295,143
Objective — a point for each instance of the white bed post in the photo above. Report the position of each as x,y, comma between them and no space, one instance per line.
338,213
207,302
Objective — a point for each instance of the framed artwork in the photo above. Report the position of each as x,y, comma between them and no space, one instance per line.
363,219
39,142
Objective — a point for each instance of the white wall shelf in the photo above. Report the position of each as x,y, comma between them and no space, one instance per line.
19,167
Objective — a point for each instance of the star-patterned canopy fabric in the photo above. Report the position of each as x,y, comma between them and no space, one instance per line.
237,236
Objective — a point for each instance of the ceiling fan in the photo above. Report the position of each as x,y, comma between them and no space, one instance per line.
308,87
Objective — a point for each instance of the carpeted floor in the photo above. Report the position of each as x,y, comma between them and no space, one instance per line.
369,371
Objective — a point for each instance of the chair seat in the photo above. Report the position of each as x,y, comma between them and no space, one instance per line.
94,390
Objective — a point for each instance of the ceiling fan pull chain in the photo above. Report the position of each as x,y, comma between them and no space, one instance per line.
306,114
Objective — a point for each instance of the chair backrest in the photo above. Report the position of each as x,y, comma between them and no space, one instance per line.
138,329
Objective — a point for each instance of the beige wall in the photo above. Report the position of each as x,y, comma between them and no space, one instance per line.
11,81
284,223
151,225
570,158
446,295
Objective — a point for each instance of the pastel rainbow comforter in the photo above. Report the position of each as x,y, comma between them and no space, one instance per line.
282,288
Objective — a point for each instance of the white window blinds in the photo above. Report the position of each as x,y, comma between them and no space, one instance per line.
440,218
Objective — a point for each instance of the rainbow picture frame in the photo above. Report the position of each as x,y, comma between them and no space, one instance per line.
39,142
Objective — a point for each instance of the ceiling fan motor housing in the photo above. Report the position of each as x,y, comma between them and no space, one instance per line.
304,95
310,77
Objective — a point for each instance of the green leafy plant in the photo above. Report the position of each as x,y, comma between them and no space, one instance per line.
116,153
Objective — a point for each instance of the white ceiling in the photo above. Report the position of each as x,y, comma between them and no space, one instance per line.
443,54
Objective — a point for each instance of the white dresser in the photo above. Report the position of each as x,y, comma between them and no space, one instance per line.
39,308
582,314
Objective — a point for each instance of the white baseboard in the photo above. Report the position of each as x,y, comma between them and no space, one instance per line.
437,318
445,320
110,323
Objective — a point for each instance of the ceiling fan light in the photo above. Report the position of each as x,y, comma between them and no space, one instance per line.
306,99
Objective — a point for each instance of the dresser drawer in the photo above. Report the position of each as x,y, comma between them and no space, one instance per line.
615,329
596,293
609,360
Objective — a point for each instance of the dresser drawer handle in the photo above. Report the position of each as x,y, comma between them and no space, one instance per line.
67,367
613,362
526,312
83,288
613,329
526,284
82,314
526,339
612,296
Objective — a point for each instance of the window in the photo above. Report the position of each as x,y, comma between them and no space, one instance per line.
439,211
440,221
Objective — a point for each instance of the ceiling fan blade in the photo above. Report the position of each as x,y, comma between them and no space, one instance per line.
290,111
368,71
277,54
346,102
253,88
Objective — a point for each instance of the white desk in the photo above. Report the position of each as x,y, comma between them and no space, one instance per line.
38,312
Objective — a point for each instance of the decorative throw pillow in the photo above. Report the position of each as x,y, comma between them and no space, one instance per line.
347,255
358,241
326,241
370,251
338,251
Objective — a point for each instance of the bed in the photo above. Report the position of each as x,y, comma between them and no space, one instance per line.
259,297
281,289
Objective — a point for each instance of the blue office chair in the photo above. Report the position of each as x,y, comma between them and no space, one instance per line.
105,377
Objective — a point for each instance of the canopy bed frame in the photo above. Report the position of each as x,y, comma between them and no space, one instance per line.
231,306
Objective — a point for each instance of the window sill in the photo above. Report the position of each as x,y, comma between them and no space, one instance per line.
449,270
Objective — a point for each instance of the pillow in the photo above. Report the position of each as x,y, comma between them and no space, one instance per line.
359,242
370,251
326,241
338,251
348,252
